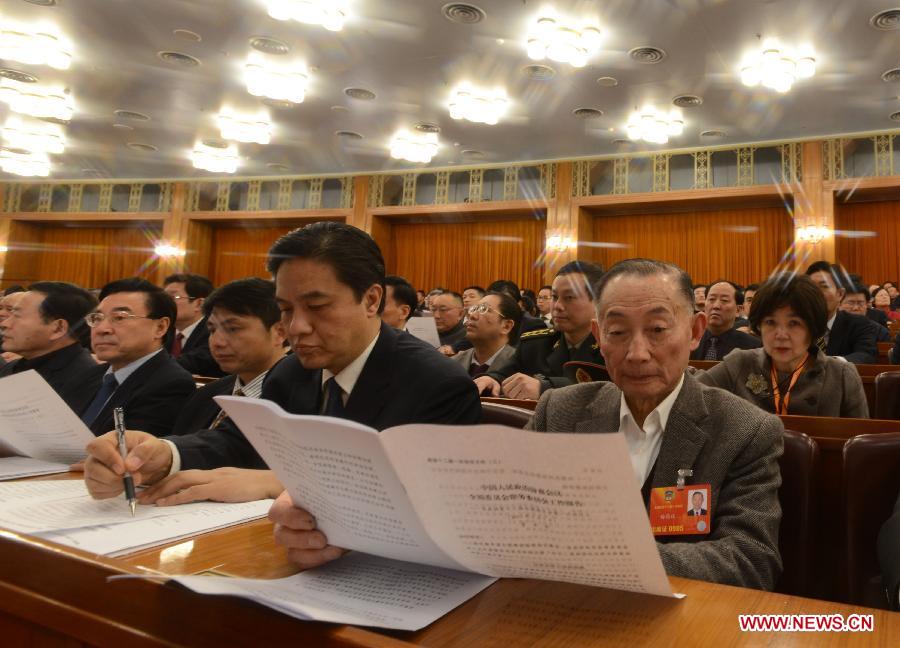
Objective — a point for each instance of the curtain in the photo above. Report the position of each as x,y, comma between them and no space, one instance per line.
456,255
867,239
742,245
239,252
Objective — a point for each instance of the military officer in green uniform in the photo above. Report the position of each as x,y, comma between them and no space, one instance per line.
538,362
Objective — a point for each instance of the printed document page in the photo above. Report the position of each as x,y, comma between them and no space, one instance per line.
337,470
36,422
358,589
18,467
425,329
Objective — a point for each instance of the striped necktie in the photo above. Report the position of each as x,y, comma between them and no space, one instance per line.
221,416
712,351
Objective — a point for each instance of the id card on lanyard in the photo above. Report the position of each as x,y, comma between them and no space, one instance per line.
781,403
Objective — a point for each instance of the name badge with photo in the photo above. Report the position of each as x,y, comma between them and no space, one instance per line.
684,511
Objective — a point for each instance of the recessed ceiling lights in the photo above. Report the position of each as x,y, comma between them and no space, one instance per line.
713,134
269,45
245,128
647,55
179,58
215,156
621,142
18,75
275,80
42,3
891,76
654,126
37,101
895,116
539,72
24,163
123,127
607,82
131,114
587,113
472,153
33,136
427,127
275,166
359,93
479,105
414,147
463,13
188,35
141,146
35,45
213,142
561,39
777,66
278,104
339,109
886,20
91,172
348,134
330,14
687,101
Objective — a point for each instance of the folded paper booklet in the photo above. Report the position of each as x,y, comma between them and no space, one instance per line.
486,499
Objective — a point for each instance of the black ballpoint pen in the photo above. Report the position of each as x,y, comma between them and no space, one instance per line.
119,419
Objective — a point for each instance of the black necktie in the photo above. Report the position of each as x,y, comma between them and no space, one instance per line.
334,403
476,369
712,351
107,389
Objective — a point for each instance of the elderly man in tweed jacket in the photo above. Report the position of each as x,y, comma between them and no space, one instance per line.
647,328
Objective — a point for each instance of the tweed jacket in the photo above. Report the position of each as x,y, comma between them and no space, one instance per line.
730,445
467,357
828,386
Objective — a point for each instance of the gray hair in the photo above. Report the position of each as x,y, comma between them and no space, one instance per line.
648,268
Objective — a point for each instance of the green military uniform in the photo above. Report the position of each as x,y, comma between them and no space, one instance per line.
542,354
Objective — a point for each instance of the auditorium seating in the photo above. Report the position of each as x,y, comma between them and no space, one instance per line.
502,414
887,395
797,497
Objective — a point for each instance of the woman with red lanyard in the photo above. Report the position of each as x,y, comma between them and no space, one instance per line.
791,374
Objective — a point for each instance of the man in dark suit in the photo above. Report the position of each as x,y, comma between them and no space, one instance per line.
347,363
128,332
190,345
47,329
851,337
491,326
723,300
856,302
538,362
399,302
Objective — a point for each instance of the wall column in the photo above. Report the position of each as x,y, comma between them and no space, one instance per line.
561,234
813,207
174,233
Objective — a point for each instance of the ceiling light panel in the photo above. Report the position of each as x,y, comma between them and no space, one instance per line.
245,128
330,14
414,147
654,126
38,44
25,163
216,159
275,80
777,66
562,39
35,100
478,105
33,135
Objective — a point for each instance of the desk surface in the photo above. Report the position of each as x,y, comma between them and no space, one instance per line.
48,593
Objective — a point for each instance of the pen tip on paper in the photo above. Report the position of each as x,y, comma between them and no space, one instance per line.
132,504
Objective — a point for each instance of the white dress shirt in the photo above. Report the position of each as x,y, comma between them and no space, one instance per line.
346,378
188,330
643,443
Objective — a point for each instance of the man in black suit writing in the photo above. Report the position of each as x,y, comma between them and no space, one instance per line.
329,280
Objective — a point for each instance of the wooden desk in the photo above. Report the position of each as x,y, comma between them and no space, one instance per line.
53,596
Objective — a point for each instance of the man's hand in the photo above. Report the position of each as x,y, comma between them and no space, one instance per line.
487,384
447,350
149,460
219,485
522,387
295,529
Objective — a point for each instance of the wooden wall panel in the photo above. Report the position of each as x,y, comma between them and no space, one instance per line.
876,257
455,255
87,256
239,252
743,245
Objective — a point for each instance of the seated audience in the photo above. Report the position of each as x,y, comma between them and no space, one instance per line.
790,374
420,300
46,328
889,557
529,321
190,346
545,305
346,363
723,300
538,362
448,317
700,298
129,332
881,303
399,302
646,327
894,352
7,303
491,325
856,302
891,287
847,336
471,295
431,295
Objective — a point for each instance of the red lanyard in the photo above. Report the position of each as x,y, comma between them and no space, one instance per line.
781,407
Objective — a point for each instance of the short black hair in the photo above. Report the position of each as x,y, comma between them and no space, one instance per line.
738,293
797,291
591,271
545,288
159,303
840,276
510,310
68,302
506,286
251,296
648,268
16,288
754,287
456,296
859,289
477,289
195,285
403,291
352,254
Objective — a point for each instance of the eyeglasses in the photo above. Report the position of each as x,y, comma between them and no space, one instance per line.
855,302
177,297
115,319
544,298
483,309
443,309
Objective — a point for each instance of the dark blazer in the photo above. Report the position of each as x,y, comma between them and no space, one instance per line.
853,337
542,354
403,381
894,352
878,316
195,356
152,396
889,556
453,336
531,323
71,371
728,342
200,410
729,444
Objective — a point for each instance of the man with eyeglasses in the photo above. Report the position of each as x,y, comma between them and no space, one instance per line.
491,325
545,305
46,328
129,332
856,302
190,346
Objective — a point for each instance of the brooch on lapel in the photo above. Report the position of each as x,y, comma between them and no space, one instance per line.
756,384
